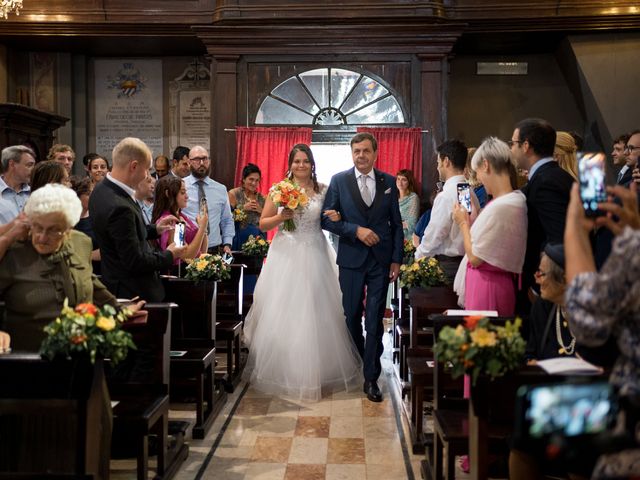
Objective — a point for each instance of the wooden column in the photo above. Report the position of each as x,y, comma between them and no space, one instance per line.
224,114
433,113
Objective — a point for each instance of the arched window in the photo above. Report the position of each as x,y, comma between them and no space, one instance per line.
330,96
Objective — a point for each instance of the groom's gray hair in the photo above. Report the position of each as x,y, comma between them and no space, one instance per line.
362,136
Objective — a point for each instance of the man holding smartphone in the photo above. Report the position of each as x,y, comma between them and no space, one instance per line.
206,193
442,238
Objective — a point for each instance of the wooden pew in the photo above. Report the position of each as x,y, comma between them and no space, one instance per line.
55,418
194,332
141,387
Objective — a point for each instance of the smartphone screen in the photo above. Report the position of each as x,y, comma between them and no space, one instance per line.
592,182
203,206
569,410
178,235
464,196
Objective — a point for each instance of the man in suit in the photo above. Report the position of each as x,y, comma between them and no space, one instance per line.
547,192
369,249
619,158
129,264
180,162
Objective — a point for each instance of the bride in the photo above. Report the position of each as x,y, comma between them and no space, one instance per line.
298,341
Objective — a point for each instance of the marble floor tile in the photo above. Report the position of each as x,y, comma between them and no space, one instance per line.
381,451
313,427
377,409
346,427
306,450
381,427
346,472
346,450
271,449
224,469
265,471
315,409
276,426
306,472
245,452
253,406
378,472
283,407
349,407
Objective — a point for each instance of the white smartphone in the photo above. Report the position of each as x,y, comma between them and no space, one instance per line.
178,235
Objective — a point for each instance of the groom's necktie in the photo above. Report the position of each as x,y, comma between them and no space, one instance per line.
364,190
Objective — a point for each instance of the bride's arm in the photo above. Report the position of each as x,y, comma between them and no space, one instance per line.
270,217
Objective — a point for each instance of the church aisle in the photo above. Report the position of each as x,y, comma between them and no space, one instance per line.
343,436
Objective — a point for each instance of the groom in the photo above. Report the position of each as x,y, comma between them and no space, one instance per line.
369,250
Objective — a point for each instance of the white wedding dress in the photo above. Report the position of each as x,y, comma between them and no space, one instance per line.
299,345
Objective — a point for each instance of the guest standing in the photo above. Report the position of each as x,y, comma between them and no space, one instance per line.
408,202
495,245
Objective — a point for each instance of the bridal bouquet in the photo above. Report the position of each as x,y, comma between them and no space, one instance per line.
255,246
479,347
208,267
88,329
288,194
425,272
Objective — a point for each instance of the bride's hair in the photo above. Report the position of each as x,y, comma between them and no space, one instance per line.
304,148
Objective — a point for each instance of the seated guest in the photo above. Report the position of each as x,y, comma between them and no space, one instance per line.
171,198
408,201
97,168
62,154
247,198
48,172
36,275
442,238
494,246
17,163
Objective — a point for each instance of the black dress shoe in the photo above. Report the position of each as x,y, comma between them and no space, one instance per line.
373,392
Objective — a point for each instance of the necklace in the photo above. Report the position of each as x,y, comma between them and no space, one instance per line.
564,349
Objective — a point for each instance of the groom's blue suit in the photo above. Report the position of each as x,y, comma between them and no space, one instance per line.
361,265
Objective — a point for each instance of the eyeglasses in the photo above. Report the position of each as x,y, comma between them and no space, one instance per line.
630,148
199,159
511,142
46,232
540,273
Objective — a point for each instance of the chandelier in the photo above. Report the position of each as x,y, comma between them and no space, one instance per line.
8,6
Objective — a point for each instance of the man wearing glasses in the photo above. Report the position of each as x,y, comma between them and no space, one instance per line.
632,150
547,191
204,192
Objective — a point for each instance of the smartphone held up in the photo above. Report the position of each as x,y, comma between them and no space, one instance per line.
178,234
464,196
591,173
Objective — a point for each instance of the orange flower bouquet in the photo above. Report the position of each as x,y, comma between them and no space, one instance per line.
288,194
479,347
88,329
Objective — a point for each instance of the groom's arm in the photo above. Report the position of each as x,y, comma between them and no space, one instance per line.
332,202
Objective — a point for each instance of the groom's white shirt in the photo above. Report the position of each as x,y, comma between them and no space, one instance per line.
371,183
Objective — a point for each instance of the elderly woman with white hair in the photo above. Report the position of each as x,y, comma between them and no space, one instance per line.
53,263
495,244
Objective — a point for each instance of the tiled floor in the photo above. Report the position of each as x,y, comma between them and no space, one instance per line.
343,436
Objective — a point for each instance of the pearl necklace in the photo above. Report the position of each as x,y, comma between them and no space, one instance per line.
568,350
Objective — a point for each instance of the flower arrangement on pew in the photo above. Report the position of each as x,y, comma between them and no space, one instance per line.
208,267
255,246
288,194
425,272
479,347
408,252
88,329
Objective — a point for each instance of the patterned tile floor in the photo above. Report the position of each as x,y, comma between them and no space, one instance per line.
343,436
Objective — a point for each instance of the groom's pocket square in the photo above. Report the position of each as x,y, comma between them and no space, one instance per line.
387,191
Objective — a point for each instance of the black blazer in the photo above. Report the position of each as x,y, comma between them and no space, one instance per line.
547,200
129,264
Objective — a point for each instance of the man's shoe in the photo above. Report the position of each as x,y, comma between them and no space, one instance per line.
373,392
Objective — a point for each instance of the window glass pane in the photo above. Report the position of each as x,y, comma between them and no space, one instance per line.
366,92
292,91
317,81
386,110
274,112
342,81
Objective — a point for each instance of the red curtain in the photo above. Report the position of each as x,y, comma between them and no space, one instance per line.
398,148
268,148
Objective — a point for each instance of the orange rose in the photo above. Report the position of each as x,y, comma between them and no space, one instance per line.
78,339
86,308
471,321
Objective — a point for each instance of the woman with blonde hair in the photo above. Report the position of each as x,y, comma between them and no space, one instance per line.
565,153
